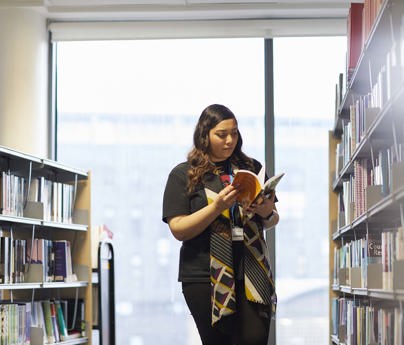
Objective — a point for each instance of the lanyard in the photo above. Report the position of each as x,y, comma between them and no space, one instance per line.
232,208
237,232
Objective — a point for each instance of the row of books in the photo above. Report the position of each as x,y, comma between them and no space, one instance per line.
371,9
353,132
384,249
15,323
18,258
58,320
392,251
373,178
12,189
361,17
61,320
365,108
384,76
359,322
57,198
12,260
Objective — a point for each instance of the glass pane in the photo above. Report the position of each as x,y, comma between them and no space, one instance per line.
306,71
127,111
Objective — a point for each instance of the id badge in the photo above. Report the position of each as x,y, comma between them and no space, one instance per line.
237,233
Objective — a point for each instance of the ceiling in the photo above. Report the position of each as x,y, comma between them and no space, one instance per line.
157,10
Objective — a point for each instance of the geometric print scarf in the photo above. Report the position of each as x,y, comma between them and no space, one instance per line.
259,284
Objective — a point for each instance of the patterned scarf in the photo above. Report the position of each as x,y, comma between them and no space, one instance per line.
259,285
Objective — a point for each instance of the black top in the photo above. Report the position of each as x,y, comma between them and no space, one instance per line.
194,265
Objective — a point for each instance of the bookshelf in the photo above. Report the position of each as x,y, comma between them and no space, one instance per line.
45,251
366,184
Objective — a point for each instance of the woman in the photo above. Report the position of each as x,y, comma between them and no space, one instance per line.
224,270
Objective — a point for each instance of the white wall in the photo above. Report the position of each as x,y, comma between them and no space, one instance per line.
24,81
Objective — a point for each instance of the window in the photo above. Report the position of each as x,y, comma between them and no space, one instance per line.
305,73
127,111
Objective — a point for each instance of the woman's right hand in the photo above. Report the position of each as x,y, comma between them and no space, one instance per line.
226,198
187,226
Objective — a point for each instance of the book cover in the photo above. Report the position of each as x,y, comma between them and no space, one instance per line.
61,321
50,335
399,244
60,248
354,30
27,325
76,316
70,276
33,193
251,188
50,267
4,260
374,254
54,320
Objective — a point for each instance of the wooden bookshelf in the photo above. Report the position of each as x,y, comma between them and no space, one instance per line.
366,198
26,219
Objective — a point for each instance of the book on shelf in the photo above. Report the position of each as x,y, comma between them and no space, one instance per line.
17,256
11,194
4,260
12,260
373,261
339,94
15,322
38,318
371,9
374,248
387,259
360,322
355,43
49,326
76,322
52,317
61,322
55,324
63,271
251,187
56,198
399,243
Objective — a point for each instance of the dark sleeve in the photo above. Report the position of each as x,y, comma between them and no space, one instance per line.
176,199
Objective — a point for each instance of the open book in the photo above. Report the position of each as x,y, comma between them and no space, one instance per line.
252,189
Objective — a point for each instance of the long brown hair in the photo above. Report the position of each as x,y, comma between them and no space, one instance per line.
198,157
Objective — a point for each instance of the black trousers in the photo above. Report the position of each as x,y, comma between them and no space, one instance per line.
248,326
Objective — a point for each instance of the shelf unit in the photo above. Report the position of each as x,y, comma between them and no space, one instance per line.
103,280
27,220
360,289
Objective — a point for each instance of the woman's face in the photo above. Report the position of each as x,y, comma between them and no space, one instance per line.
222,140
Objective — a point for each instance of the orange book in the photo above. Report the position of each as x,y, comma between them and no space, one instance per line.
251,189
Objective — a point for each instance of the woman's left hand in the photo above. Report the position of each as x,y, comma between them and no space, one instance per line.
264,209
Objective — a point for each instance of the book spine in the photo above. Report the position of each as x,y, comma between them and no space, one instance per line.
54,321
61,321
50,335
60,248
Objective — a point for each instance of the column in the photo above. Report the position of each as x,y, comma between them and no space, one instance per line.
24,81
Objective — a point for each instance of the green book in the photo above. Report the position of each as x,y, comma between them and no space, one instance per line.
61,321
50,335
